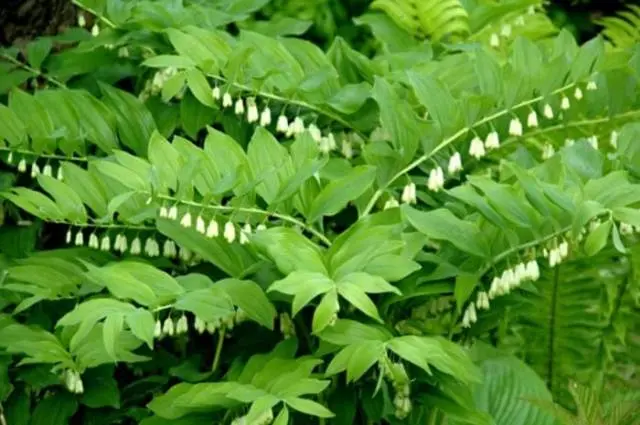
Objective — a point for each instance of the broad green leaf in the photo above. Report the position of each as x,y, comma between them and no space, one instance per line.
465,284
194,115
627,215
209,304
98,121
85,184
35,203
38,50
283,417
55,410
250,297
141,323
123,285
391,267
436,98
135,122
36,119
304,286
441,224
66,199
166,61
13,129
335,196
166,161
408,350
505,388
369,283
121,174
113,325
309,407
326,311
290,250
363,357
191,47
270,162
163,285
359,299
346,332
200,87
597,239
100,388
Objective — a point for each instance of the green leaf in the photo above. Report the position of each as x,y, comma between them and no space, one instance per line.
38,50
166,161
250,297
194,115
441,106
283,417
506,386
270,161
347,332
113,325
325,312
290,250
85,184
209,304
135,122
363,357
335,196
597,239
36,119
66,199
441,224
200,87
304,286
465,284
309,407
191,47
167,61
141,323
368,283
98,121
100,388
359,299
627,215
55,410
123,285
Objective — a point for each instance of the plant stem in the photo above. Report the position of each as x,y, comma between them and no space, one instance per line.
552,327
216,357
32,70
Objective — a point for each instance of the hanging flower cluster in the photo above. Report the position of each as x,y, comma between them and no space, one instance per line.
506,30
33,168
557,253
156,84
397,375
73,381
174,327
211,229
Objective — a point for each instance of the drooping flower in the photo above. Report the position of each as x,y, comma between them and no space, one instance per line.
173,213
169,249
436,179
455,163
547,111
199,325
35,169
95,30
515,127
577,93
494,41
532,270
151,247
282,126
482,301
60,176
261,227
82,21
93,241
391,203
79,240
591,85
252,111
505,31
47,170
492,141
409,194
347,147
215,93
22,165
593,141
613,140
182,325
239,108
229,232
227,100
297,126
186,220
476,149
532,119
626,229
244,234
564,103
213,229
315,133
67,238
265,117
548,151
163,212
136,246
10,158
168,328
200,226
157,330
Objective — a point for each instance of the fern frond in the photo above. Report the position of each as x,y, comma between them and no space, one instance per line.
623,30
436,19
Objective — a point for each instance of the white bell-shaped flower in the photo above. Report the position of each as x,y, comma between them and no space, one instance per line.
252,111
68,236
315,133
229,232
494,41
455,163
532,119
593,141
564,103
297,126
95,30
168,328
591,85
216,93
157,329
547,111
505,31
93,241
173,212
492,141
515,127
200,225
436,179
391,203
476,149
260,227
79,240
169,249
47,170
239,107
186,220
282,125
577,93
182,325
265,117
105,243
613,139
409,194
227,100
533,271
626,229
82,21
548,151
136,246
213,229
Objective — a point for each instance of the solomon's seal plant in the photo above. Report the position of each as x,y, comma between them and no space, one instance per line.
207,218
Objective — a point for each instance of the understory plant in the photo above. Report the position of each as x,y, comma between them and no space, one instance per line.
209,219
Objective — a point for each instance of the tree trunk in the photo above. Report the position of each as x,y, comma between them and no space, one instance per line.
23,20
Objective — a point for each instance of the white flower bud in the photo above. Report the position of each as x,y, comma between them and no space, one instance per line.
260,227
563,249
577,93
569,142
409,194
547,111
35,170
182,326
47,170
10,158
22,165
157,330
212,229
185,254
532,119
520,21
533,271
95,30
494,41
548,151
169,327
520,273
200,226
591,85
79,241
495,287
315,133
215,93
626,229
492,141
82,21
506,31
391,203
282,126
211,327
265,117
151,247
436,179
59,176
93,241
482,301
227,101
136,246
455,163
515,127
67,238
199,325
252,111
169,249
163,212
239,108
173,213
564,103
297,126
593,141
476,149
347,147
613,140
79,387
244,234
229,232
186,220
324,145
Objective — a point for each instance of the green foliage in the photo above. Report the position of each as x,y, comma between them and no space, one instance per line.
622,30
223,222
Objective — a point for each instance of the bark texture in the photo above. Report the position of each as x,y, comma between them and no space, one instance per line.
23,20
